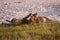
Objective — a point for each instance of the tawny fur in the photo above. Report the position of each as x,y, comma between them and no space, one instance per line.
39,19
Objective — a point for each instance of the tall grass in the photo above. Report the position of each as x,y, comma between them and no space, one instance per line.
39,31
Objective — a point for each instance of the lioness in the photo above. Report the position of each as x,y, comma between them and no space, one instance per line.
39,19
19,21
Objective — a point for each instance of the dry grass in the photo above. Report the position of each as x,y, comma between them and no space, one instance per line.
39,31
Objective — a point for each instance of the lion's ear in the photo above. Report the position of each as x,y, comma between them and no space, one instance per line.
35,13
30,13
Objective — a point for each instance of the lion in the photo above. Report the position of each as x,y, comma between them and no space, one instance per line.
19,21
39,19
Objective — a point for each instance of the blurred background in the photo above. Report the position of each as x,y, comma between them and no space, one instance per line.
20,8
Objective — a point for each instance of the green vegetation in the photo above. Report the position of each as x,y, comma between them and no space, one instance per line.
39,31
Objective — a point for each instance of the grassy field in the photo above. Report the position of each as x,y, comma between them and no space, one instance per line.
39,31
